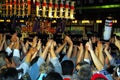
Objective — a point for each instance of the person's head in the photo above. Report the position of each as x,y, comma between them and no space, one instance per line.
53,76
9,74
84,69
46,67
94,37
67,67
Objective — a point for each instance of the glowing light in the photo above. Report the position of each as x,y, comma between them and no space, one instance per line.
98,21
54,21
1,20
114,21
8,20
85,21
100,7
21,20
76,21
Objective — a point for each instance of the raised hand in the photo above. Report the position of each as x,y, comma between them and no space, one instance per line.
53,44
117,43
34,43
39,44
107,48
32,50
14,37
48,44
4,38
68,39
89,45
81,48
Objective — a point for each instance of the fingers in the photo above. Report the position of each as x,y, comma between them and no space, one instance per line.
115,38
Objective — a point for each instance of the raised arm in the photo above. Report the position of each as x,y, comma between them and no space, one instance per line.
60,48
80,55
117,43
30,53
95,59
2,42
54,60
24,47
38,46
100,52
109,57
70,43
16,52
52,52
87,55
45,51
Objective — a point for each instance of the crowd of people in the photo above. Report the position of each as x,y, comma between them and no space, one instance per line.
93,59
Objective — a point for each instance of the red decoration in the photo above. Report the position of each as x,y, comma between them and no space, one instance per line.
6,3
44,4
50,4
61,5
66,78
10,3
66,6
37,3
110,24
72,7
14,2
56,5
29,2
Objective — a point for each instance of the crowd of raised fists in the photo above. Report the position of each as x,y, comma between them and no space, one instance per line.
31,58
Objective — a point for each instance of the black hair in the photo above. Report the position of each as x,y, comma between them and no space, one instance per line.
67,67
53,76
110,69
9,74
